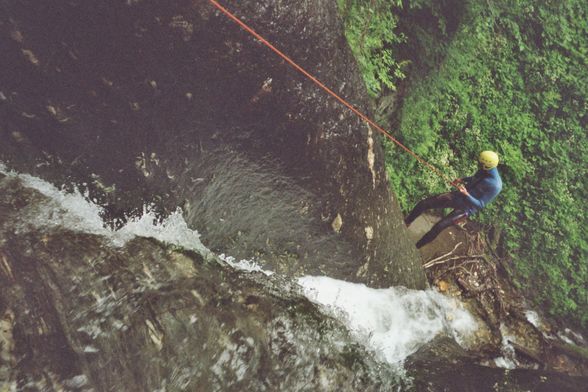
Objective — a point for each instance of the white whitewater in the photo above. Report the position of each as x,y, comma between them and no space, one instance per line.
76,212
392,322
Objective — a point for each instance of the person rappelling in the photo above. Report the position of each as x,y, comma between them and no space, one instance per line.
474,193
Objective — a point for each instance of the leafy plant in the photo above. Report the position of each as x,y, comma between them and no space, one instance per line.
370,30
511,78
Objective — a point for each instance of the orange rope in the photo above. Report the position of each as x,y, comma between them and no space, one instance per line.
328,90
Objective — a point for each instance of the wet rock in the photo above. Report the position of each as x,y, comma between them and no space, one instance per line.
146,317
463,265
441,365
7,360
114,80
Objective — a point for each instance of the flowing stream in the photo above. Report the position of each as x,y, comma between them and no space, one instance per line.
149,298
392,322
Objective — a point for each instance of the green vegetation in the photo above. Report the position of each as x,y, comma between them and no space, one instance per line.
369,27
509,76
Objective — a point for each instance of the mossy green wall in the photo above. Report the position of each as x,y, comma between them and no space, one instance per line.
509,76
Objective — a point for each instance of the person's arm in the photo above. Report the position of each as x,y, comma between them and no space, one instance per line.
478,203
489,190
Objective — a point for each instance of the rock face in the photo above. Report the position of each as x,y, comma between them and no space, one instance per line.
168,102
82,315
442,365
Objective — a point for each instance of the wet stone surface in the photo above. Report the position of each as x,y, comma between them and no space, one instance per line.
83,314
442,365
171,104
151,317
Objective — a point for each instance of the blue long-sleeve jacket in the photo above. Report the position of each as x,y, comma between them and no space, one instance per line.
483,187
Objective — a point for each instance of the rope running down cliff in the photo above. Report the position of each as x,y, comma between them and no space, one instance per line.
364,117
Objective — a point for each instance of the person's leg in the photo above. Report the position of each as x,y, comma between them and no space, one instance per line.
453,217
444,200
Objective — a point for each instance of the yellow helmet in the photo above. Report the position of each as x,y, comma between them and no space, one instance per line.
488,159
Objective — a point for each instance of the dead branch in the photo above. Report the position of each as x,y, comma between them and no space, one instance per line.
445,255
438,260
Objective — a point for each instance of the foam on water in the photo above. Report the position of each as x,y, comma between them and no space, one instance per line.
74,211
533,318
505,363
394,322
172,230
244,265
508,359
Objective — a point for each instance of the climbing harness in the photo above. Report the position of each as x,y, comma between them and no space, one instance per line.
245,27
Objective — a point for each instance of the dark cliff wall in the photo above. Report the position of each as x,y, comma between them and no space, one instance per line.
171,103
